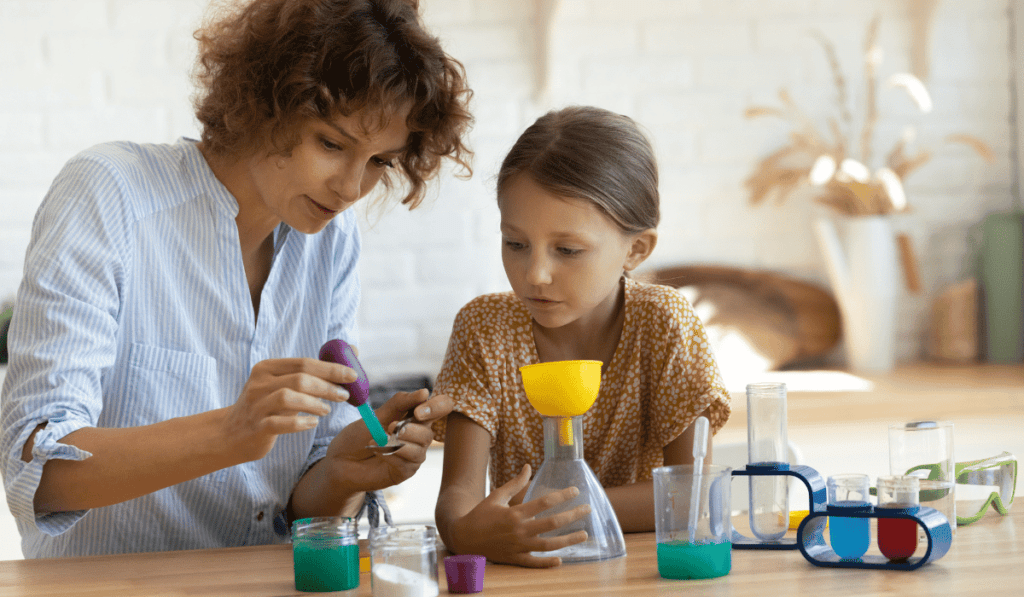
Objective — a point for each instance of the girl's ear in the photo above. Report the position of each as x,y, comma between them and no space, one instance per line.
642,247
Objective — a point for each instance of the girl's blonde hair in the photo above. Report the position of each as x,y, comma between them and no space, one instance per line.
584,152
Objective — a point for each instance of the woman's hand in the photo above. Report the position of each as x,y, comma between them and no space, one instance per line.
508,534
363,470
282,396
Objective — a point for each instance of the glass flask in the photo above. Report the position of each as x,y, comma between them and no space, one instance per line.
767,445
564,467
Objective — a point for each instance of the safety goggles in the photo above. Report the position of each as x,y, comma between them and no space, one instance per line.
983,482
995,476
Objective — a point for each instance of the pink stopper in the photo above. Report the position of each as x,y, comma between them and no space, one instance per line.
339,351
465,573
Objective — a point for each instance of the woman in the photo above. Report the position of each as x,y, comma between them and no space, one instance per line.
163,390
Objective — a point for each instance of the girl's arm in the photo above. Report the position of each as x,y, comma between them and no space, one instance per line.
634,503
469,522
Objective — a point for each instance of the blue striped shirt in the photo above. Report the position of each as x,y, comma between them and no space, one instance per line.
134,309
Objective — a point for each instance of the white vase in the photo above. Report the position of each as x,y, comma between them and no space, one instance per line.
862,260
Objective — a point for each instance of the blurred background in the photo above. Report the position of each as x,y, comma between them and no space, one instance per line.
719,85
79,72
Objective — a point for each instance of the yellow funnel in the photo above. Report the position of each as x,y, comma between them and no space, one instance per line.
562,389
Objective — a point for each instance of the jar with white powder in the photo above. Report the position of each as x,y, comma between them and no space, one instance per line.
403,561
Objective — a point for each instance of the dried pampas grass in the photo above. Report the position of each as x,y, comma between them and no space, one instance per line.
846,185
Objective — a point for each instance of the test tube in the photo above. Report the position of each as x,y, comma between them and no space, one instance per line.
897,537
849,536
767,445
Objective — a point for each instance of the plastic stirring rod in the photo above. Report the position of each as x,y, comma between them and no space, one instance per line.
339,351
700,450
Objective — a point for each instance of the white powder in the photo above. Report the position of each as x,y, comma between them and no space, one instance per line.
394,581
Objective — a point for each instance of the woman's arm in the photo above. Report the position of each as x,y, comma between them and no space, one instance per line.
468,522
634,503
130,462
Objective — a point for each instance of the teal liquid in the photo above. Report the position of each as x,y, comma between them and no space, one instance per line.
325,567
681,560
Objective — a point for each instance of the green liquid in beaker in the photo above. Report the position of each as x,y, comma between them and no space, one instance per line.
684,560
325,567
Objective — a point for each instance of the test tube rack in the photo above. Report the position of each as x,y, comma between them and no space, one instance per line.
811,539
815,493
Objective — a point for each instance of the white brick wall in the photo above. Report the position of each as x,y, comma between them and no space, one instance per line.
77,72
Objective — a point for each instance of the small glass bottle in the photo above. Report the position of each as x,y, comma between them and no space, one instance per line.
403,561
849,537
767,446
897,537
325,554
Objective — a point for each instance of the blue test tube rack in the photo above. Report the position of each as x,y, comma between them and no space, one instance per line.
811,539
815,493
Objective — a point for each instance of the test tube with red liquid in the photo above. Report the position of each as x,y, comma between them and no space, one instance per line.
897,537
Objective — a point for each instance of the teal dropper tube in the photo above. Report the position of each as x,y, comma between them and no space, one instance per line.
339,351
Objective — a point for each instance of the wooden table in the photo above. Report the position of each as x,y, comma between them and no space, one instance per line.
985,560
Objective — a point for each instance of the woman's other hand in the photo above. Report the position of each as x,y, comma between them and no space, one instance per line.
365,470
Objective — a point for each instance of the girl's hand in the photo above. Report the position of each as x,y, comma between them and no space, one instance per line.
508,534
363,470
282,396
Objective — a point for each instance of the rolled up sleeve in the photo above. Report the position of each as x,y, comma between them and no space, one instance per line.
62,335
23,478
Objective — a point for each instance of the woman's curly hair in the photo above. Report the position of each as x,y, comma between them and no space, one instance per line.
269,65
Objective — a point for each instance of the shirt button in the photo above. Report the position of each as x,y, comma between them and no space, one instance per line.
259,516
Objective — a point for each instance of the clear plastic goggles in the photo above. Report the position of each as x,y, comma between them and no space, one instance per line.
983,482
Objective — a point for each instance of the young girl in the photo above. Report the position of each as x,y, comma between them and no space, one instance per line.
578,196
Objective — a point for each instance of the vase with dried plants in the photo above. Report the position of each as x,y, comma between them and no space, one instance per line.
835,164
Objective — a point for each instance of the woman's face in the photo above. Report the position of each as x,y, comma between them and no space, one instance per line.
335,164
563,257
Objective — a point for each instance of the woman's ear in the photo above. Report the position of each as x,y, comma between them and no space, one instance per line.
642,247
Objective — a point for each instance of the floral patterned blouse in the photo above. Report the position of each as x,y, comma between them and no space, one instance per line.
661,378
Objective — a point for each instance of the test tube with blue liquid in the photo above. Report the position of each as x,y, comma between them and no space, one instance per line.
767,446
849,536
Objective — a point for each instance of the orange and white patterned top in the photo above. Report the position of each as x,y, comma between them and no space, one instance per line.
661,377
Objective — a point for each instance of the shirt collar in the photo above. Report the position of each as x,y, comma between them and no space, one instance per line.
205,181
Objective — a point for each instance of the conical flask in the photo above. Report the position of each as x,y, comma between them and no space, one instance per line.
563,391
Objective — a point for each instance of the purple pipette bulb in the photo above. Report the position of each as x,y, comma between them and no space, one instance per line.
339,351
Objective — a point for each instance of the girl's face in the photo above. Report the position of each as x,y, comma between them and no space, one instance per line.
564,257
335,164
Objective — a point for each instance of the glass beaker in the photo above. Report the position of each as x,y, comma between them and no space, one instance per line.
403,561
768,445
325,554
924,449
564,467
849,537
897,537
693,545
